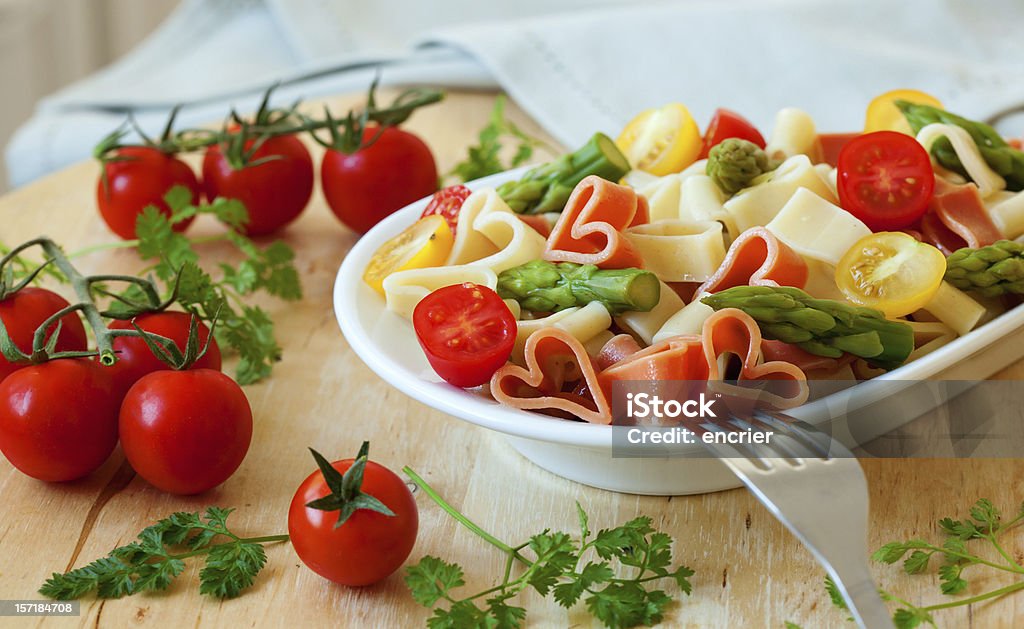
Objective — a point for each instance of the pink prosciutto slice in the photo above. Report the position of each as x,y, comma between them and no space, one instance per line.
589,230
757,258
962,212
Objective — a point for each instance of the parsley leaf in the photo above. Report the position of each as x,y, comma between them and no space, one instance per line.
484,158
554,563
157,557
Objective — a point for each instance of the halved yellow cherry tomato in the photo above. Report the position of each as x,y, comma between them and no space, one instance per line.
661,141
883,115
426,243
892,272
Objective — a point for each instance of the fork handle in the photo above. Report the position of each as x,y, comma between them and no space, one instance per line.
866,606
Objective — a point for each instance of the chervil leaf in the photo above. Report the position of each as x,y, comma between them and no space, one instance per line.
917,562
682,576
834,594
627,605
949,577
568,593
484,158
890,553
986,515
152,563
432,579
230,568
910,618
963,530
505,616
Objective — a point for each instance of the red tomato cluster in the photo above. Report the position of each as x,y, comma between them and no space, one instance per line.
183,431
275,186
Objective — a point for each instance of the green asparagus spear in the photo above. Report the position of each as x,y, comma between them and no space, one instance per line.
820,326
546,188
1000,156
991,271
734,163
542,286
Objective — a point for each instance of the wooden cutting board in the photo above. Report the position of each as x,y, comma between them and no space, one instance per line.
750,572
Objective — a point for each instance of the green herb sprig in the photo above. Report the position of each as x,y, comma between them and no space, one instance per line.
158,556
485,157
956,554
555,564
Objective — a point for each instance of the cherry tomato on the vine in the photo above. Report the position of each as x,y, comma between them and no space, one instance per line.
58,419
136,177
369,544
375,181
885,179
185,431
274,191
727,124
135,359
447,203
24,311
466,331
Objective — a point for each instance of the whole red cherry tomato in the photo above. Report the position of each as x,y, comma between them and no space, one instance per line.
369,545
885,179
275,191
136,177
135,359
466,331
727,124
58,419
375,181
25,310
447,202
185,431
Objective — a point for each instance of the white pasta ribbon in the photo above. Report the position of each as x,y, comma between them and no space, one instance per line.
929,336
817,229
758,204
794,134
1007,212
646,324
662,196
582,323
821,281
700,199
955,308
688,321
404,289
967,152
830,176
490,234
679,251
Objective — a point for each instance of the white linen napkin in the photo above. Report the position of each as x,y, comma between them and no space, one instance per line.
577,66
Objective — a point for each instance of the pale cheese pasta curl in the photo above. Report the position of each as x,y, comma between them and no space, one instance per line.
817,229
758,204
955,308
582,323
967,152
491,235
646,324
794,134
821,281
404,289
688,321
700,199
662,197
679,251
1007,212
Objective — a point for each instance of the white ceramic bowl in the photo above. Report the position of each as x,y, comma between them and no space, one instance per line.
583,452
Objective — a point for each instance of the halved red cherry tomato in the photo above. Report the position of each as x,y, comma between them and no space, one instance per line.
447,203
885,179
466,331
727,124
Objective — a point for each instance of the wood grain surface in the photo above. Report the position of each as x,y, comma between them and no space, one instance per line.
750,572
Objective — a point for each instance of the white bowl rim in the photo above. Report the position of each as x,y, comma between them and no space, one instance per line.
520,423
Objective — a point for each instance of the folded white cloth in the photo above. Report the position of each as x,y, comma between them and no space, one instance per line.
577,66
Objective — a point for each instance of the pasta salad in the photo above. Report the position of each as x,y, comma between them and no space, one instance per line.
671,255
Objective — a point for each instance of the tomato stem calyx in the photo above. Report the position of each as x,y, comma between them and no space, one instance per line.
346,495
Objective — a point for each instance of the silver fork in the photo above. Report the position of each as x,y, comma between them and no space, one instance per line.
813,485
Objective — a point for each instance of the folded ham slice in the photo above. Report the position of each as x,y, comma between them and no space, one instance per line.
589,231
553,358
961,211
757,258
695,358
